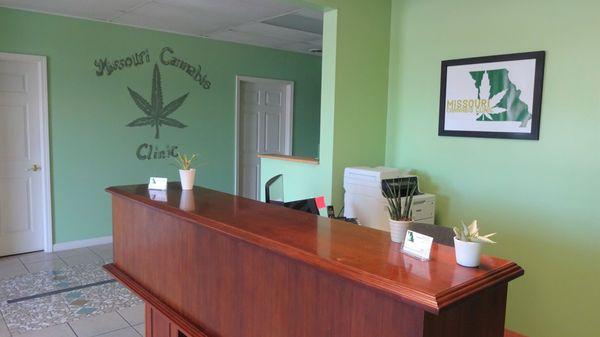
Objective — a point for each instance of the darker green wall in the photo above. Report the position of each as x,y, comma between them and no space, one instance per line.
91,147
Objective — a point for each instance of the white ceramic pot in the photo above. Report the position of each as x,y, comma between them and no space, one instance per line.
187,179
398,230
468,254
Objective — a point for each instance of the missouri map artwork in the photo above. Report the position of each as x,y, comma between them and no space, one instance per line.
498,99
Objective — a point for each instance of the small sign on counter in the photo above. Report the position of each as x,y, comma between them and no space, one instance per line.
417,245
157,183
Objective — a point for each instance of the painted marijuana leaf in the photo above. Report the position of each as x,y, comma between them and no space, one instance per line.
504,97
156,113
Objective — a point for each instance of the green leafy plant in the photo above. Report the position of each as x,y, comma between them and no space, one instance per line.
471,233
156,112
396,209
184,162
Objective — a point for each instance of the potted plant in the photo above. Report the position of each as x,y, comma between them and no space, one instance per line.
186,172
399,210
468,244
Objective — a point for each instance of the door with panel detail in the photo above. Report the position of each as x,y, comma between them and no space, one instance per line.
22,196
264,128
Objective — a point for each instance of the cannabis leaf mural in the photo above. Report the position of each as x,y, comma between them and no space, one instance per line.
156,112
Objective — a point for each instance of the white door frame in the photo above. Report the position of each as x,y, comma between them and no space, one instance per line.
45,138
289,111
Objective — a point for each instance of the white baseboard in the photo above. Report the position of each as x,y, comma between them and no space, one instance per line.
82,243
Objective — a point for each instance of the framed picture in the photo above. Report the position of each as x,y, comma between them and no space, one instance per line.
493,96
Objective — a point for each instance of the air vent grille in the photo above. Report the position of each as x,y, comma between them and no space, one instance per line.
297,22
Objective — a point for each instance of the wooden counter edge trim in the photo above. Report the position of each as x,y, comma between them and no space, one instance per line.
297,159
507,273
428,302
149,298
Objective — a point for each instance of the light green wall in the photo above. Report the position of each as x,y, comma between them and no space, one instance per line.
541,196
302,181
90,144
361,87
353,115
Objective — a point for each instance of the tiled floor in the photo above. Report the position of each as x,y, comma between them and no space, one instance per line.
66,294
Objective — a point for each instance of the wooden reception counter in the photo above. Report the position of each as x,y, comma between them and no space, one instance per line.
211,264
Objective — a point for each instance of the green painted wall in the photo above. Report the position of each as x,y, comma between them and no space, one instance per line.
353,115
361,87
302,181
91,147
541,196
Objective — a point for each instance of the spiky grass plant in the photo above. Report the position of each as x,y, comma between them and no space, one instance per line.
184,162
393,195
471,233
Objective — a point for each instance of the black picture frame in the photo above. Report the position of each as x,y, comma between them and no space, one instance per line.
539,56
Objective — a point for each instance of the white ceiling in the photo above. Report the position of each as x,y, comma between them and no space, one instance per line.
289,27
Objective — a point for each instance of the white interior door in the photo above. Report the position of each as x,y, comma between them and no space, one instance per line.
265,127
22,163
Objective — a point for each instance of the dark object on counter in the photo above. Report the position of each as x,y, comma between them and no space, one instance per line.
274,195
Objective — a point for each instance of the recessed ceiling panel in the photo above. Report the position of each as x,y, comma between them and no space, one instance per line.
263,29
242,37
298,22
309,13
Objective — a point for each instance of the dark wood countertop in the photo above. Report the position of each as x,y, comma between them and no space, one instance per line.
361,254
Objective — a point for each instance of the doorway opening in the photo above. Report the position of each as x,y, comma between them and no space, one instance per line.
264,125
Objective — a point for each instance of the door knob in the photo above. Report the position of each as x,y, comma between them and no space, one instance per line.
35,168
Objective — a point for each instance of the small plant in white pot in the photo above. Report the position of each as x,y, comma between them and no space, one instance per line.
400,212
468,244
186,172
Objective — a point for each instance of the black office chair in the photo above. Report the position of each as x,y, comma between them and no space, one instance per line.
274,195
274,190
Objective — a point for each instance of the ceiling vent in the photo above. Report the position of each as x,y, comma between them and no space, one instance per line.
297,22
